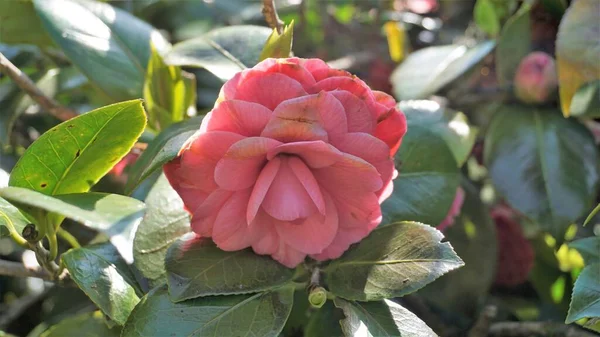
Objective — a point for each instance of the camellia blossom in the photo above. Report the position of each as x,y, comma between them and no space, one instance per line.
294,160
454,210
536,79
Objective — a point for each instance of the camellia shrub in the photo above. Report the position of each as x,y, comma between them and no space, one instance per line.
299,168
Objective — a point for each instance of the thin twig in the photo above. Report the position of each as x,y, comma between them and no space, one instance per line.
270,13
482,326
537,329
27,85
16,269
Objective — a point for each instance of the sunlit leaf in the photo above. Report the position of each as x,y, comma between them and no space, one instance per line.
279,46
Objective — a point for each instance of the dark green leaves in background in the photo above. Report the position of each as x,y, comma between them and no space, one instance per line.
104,276
511,50
586,295
223,51
262,314
196,267
164,222
544,165
394,260
381,318
20,24
90,324
110,46
427,167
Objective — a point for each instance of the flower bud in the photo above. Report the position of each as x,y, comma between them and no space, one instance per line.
536,78
317,297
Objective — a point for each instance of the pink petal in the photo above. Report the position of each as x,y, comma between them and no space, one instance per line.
391,128
384,99
198,162
316,154
353,85
308,181
192,198
267,89
244,118
314,234
371,149
321,70
454,210
241,164
312,117
203,216
263,182
358,210
341,243
288,68
359,116
267,241
288,256
349,176
230,230
287,199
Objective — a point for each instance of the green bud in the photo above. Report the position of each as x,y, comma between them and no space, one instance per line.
317,297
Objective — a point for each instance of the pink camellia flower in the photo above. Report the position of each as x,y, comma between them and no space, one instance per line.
294,160
536,78
454,210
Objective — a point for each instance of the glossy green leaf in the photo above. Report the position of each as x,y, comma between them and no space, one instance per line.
163,148
428,70
112,214
223,51
586,101
577,49
104,276
473,237
394,260
486,17
592,214
589,248
262,314
197,267
20,25
74,155
324,322
11,218
452,126
95,35
165,221
381,318
514,44
89,324
279,46
428,173
169,93
585,301
544,165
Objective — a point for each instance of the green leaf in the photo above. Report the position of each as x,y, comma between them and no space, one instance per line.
89,324
473,237
74,155
577,49
586,101
95,35
163,148
592,215
104,276
112,214
324,322
11,218
585,301
452,126
555,7
514,44
279,46
428,70
544,165
197,267
262,314
428,173
589,248
20,25
169,93
223,51
486,17
381,318
394,260
164,222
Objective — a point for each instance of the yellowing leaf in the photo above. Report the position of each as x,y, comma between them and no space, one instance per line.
279,46
396,35
577,49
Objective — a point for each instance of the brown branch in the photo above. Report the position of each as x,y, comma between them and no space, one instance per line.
16,269
482,326
27,85
270,13
537,329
